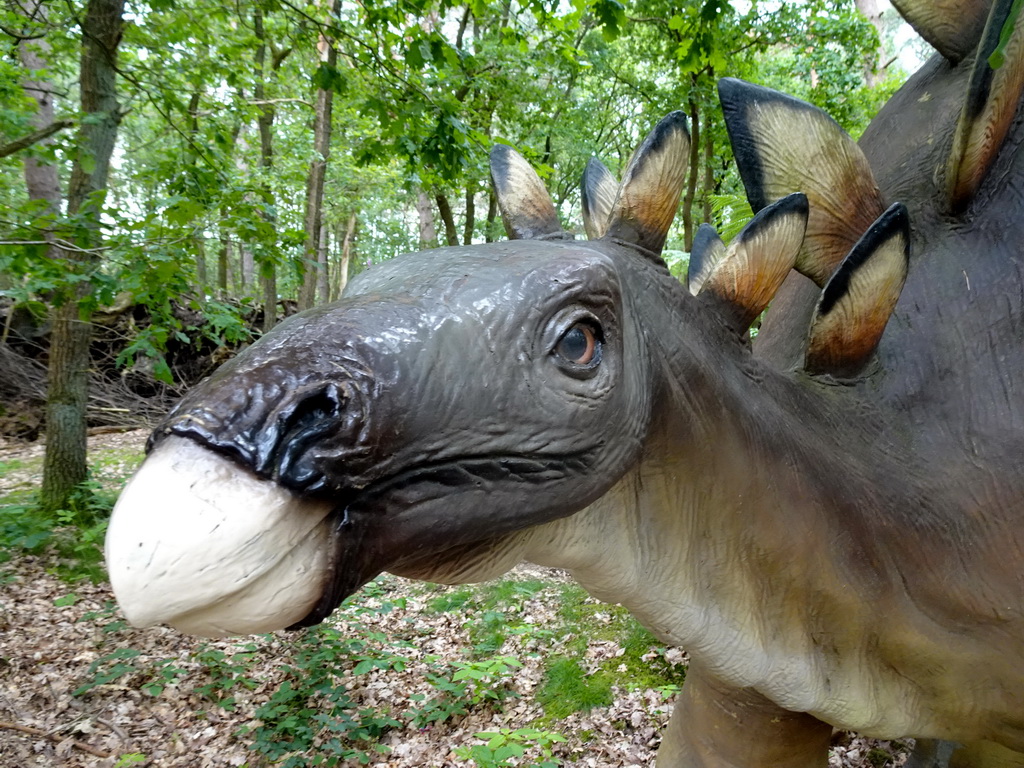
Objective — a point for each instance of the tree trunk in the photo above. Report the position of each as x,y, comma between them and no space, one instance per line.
223,260
64,463
328,54
265,123
451,234
492,216
691,181
467,237
323,291
41,179
225,274
246,270
346,254
198,242
268,282
872,11
709,174
425,211
202,278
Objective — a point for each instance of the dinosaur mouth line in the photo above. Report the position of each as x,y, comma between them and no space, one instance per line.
420,481
201,542
370,528
479,471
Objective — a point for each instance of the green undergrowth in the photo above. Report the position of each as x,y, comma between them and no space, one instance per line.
69,539
572,682
112,467
569,688
310,712
309,715
12,465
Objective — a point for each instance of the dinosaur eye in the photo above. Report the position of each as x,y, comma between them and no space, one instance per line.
580,346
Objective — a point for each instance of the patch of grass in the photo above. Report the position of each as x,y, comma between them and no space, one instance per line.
452,601
127,458
492,609
568,688
643,663
114,466
574,607
488,632
645,659
510,591
11,465
72,536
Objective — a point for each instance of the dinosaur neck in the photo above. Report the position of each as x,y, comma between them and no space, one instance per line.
744,534
786,534
796,546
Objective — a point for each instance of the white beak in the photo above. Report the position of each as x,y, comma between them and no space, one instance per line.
199,543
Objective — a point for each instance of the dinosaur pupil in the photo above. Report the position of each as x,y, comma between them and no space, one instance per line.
580,346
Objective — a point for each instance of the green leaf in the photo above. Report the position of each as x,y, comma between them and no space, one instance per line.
162,371
328,78
998,56
507,751
611,14
129,759
363,667
184,212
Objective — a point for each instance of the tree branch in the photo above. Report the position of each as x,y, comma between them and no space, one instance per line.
54,737
265,102
21,36
35,137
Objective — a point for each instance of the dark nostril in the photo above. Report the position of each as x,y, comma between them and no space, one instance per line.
301,431
306,422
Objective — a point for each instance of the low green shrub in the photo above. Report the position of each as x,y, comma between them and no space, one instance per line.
224,673
310,719
505,745
73,536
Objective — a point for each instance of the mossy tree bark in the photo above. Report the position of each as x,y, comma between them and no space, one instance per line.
312,270
64,464
265,122
451,234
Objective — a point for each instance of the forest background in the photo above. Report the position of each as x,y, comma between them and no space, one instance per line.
178,175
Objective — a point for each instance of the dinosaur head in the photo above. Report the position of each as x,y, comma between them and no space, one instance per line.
452,397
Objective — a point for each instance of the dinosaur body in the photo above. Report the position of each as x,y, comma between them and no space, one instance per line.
829,522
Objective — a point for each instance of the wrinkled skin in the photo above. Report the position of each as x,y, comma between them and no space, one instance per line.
831,554
948,380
